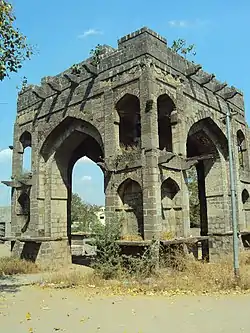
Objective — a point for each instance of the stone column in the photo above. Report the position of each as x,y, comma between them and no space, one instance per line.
111,144
203,208
150,143
178,125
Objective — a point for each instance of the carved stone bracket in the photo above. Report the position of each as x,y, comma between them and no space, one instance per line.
206,79
53,84
17,183
230,93
72,78
91,69
39,92
219,86
192,70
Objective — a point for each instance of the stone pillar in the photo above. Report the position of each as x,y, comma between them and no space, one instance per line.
150,143
203,208
111,145
111,138
178,124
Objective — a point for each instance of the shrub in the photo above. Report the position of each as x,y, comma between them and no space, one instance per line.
12,266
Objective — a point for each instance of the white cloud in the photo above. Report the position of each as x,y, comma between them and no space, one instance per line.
187,24
86,178
90,32
85,159
5,155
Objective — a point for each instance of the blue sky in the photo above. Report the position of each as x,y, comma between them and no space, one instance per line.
65,32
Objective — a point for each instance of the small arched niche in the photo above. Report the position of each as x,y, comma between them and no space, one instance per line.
165,106
130,194
169,203
246,207
26,142
128,108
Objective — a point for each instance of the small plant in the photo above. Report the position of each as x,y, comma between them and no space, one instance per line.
108,261
75,69
179,46
24,83
95,53
167,235
128,148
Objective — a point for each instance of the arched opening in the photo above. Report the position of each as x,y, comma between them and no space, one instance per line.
170,206
206,145
26,141
246,208
128,108
242,149
88,198
24,202
24,210
165,106
71,141
130,194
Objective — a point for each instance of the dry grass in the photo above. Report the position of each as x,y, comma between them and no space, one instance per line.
131,238
195,278
12,266
167,235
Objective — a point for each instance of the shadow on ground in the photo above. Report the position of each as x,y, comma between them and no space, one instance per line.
8,284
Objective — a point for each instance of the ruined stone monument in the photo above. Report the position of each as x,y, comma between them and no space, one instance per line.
145,115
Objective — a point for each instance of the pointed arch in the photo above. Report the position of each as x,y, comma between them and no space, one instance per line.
26,150
130,194
242,149
205,137
66,128
165,107
245,197
169,188
128,109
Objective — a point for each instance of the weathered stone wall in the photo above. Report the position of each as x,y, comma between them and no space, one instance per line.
79,112
5,221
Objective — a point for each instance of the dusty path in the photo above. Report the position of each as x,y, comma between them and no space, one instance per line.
70,311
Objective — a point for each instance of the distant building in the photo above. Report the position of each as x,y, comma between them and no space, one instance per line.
101,215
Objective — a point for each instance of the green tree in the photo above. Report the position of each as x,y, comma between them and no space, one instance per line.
14,48
180,46
194,204
83,213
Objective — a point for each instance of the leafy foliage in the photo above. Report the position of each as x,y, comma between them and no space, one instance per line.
83,213
180,46
193,198
108,261
95,53
14,48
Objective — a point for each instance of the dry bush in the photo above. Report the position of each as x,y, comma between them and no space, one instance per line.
11,266
70,279
131,238
167,235
186,277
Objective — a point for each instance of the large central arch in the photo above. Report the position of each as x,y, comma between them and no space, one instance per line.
66,144
207,143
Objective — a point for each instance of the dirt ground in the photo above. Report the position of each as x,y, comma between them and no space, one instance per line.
33,309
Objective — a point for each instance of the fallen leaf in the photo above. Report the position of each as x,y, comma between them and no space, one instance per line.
28,316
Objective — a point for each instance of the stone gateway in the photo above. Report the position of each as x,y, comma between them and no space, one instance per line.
146,116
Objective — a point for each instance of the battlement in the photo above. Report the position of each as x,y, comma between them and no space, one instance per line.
139,32
131,50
